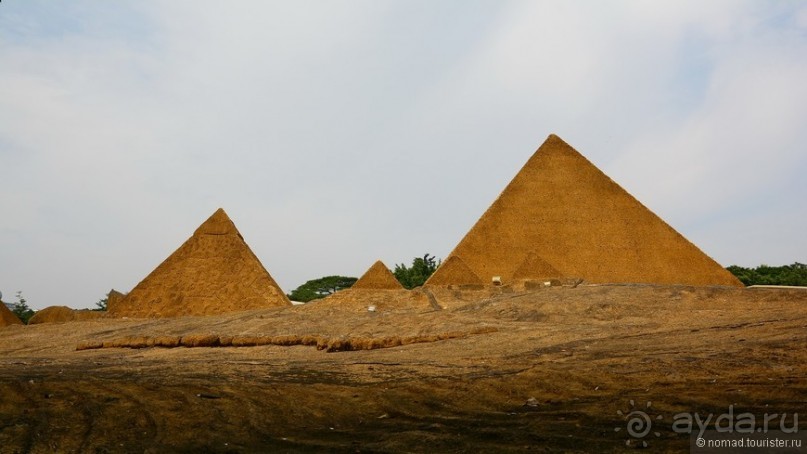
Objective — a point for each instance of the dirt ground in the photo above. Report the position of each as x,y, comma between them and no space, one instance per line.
552,370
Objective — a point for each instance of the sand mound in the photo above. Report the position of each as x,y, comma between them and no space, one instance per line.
454,271
62,314
7,317
52,314
583,223
378,276
213,272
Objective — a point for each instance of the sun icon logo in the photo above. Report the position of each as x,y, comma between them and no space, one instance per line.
639,424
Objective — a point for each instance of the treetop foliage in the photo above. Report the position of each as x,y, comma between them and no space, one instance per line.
101,304
21,308
418,273
795,274
320,288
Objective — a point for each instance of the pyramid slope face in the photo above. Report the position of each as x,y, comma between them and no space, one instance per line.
213,272
378,277
454,271
576,218
534,267
7,317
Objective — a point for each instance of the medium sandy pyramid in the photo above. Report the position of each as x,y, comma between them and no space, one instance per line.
7,317
578,220
378,277
534,267
454,271
213,272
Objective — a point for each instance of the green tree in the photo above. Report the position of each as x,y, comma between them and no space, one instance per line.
100,305
320,288
418,273
795,274
21,308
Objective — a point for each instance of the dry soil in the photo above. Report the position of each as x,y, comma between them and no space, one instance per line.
545,371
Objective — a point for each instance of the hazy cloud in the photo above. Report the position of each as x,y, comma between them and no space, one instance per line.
337,133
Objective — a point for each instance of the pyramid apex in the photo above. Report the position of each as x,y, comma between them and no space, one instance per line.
555,142
378,276
217,224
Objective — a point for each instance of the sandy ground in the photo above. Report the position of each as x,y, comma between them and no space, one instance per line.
546,371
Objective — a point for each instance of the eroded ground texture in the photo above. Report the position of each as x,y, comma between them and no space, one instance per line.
544,371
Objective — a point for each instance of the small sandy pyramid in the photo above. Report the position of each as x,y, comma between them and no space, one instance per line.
378,289
7,317
534,267
576,218
378,277
113,298
454,271
213,272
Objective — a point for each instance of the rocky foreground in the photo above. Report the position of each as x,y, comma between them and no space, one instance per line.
550,370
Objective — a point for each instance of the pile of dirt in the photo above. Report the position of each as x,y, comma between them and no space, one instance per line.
378,276
8,318
63,314
213,272
578,221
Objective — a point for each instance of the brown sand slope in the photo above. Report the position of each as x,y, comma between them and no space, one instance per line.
454,271
584,224
378,276
550,375
213,272
7,317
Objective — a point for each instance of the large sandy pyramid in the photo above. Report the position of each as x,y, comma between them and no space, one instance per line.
378,277
577,220
7,317
213,272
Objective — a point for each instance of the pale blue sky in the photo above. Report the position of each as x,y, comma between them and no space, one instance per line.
336,133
